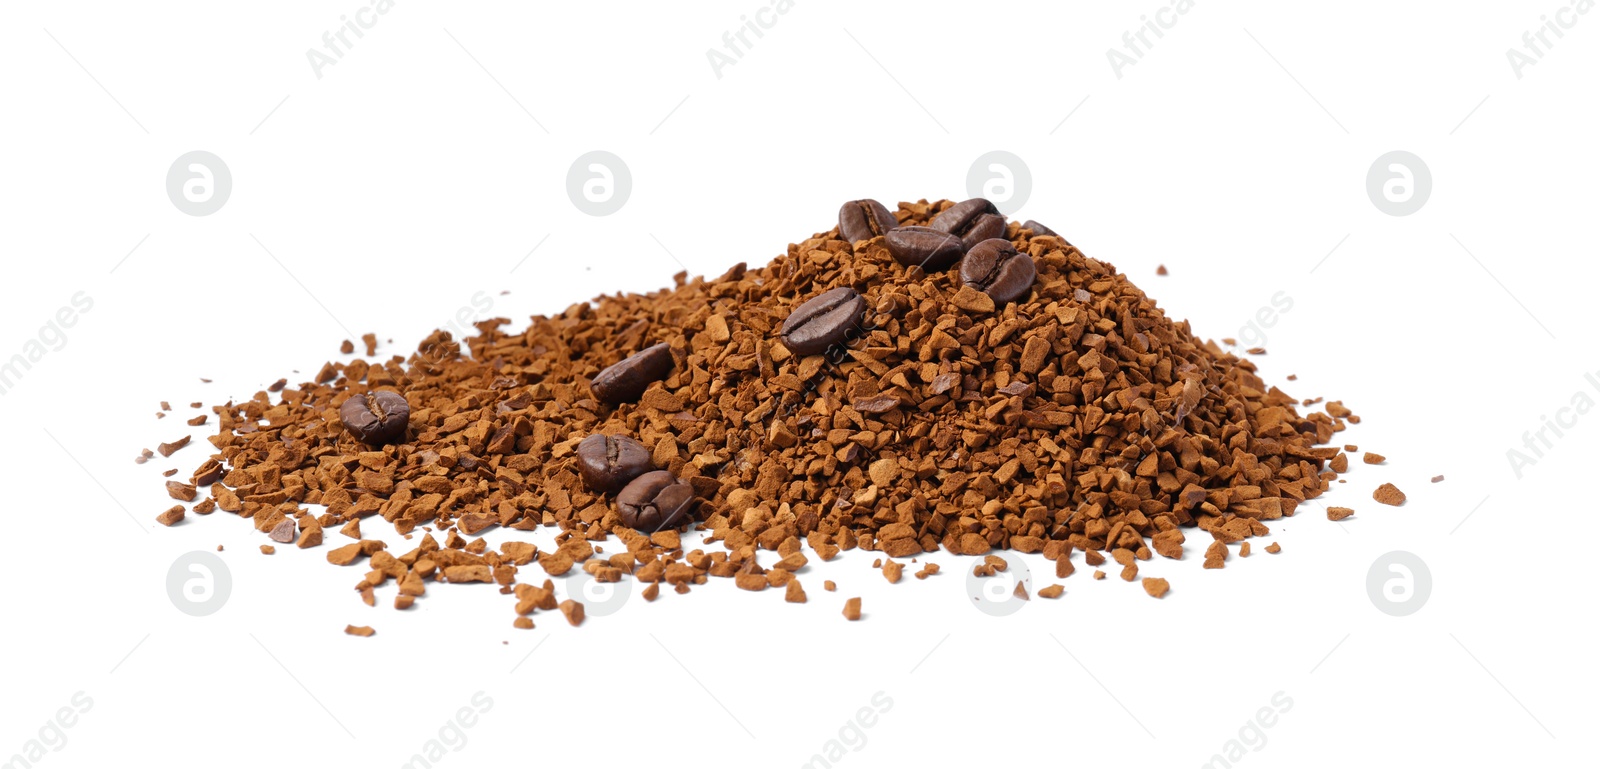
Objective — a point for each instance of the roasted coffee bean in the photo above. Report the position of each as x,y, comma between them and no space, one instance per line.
864,220
997,269
823,321
654,501
376,418
974,221
627,380
1039,229
608,462
932,250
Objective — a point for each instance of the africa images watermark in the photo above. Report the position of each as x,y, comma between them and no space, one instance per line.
452,735
1138,42
737,41
51,337
1538,442
338,42
1543,38
52,737
852,735
1252,736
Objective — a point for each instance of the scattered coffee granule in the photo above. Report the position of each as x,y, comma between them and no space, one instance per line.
346,347
284,532
1216,555
173,515
1260,351
891,571
573,611
1161,269
1339,513
1021,591
522,623
1352,448
268,550
1274,548
358,630
793,593
1053,591
1099,574
1372,459
1389,494
352,529
197,421
1156,587
144,456
168,449
1437,478
927,570
1244,549
852,393
1340,463
169,473
828,585
852,609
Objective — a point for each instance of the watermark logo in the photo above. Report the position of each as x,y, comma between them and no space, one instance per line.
1001,177
599,183
996,595
1541,40
52,737
452,736
852,736
1138,41
337,42
199,183
736,42
1399,183
1252,737
1254,333
1399,583
51,337
199,583
1537,442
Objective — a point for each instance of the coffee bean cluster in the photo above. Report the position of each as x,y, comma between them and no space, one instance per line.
970,233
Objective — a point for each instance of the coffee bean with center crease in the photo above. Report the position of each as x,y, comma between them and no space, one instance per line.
924,247
1039,229
654,501
974,221
608,462
864,219
997,269
823,321
628,379
376,418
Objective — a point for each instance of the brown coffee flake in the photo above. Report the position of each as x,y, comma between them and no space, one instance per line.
359,630
852,609
1373,459
1156,587
168,449
171,517
1339,513
573,611
1389,494
1273,548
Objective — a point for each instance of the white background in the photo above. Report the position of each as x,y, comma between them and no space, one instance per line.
415,173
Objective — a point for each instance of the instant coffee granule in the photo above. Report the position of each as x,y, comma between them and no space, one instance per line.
948,381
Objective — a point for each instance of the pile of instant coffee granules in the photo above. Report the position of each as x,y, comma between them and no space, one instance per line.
935,378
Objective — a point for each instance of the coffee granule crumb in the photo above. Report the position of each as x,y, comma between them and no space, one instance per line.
268,550
359,630
1161,269
1340,463
371,342
1244,549
171,517
1156,587
168,449
828,585
1216,555
573,611
1389,494
1021,591
891,571
852,609
793,593
1437,478
197,421
1274,548
1339,513
1099,574
1372,459
346,347
1052,591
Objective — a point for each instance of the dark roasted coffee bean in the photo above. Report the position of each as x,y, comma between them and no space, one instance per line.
608,462
628,379
974,221
376,418
654,501
823,321
1039,229
864,220
997,269
932,250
